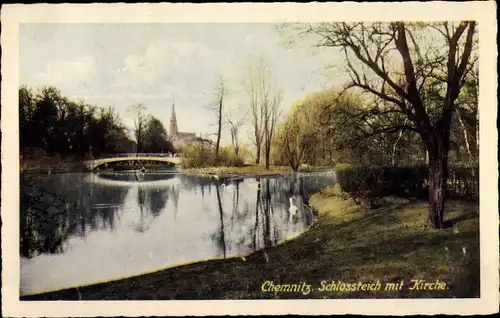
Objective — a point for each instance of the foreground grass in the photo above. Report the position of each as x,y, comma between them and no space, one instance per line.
248,170
347,244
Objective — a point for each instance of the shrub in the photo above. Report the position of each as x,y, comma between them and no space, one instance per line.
198,156
369,184
195,156
227,158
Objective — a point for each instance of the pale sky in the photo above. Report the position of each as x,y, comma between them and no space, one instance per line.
123,64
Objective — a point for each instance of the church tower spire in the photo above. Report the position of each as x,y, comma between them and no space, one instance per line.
173,123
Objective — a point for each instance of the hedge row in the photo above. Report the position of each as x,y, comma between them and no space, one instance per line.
367,182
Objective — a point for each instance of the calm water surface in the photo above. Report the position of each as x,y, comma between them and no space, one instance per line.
120,225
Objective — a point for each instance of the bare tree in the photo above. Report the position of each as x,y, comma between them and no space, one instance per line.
378,55
141,119
254,110
235,123
263,108
217,108
272,111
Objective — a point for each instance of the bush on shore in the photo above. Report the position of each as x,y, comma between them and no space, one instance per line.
368,184
198,156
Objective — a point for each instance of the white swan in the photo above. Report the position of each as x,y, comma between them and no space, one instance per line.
229,188
293,209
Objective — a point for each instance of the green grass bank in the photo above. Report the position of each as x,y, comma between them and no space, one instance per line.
348,243
248,171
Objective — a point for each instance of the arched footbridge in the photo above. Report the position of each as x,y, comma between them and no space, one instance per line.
132,158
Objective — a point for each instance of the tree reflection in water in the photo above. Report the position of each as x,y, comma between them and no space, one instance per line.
48,219
219,236
210,223
53,208
151,199
260,217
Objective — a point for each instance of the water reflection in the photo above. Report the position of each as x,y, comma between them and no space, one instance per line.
134,223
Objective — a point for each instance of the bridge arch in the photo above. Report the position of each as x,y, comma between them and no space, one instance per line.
96,163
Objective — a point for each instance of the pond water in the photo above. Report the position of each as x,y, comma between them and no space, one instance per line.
109,226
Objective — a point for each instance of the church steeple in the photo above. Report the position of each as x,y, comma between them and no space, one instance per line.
173,123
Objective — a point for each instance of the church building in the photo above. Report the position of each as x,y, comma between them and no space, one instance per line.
183,139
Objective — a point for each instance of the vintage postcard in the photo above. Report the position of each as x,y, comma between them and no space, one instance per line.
225,159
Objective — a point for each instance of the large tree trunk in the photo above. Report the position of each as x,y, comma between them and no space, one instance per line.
295,165
257,155
268,154
438,177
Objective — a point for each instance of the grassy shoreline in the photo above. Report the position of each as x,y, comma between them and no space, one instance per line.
348,243
248,171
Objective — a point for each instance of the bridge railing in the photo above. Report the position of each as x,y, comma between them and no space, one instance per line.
137,154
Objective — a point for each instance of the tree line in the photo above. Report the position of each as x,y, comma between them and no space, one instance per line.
57,125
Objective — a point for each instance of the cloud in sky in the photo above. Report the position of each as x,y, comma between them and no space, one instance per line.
123,64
